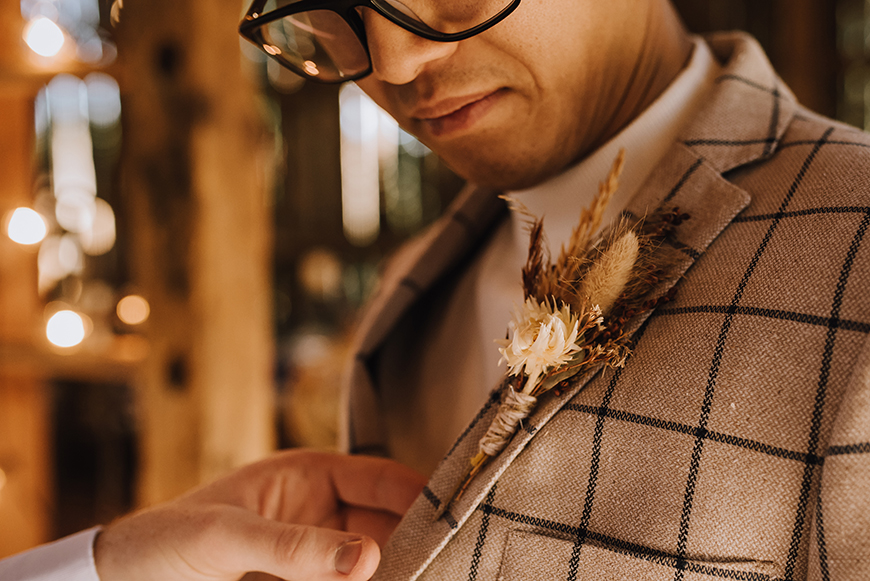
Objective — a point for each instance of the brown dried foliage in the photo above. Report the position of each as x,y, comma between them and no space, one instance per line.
563,280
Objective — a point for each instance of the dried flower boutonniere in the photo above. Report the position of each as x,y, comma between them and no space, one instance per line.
575,310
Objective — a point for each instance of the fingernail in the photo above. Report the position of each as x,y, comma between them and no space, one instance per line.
347,556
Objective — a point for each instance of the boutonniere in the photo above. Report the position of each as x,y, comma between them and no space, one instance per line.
575,311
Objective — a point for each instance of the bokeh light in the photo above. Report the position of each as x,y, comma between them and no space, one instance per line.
117,8
44,37
50,268
74,177
360,172
100,237
76,210
320,271
65,329
133,310
26,227
104,100
69,255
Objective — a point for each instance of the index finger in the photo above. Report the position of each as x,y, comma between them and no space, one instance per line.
375,483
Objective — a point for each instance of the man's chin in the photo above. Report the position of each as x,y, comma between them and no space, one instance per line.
499,175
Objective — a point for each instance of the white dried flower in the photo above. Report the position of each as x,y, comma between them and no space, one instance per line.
541,337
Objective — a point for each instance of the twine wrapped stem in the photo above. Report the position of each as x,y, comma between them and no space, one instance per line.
516,407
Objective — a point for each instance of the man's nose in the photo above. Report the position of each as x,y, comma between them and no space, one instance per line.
399,56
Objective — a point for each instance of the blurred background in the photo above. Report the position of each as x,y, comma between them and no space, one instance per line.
188,231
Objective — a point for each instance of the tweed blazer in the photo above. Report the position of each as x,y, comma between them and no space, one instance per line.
735,442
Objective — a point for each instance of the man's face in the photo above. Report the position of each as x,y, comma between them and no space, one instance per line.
518,103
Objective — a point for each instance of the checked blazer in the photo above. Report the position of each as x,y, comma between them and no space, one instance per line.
735,442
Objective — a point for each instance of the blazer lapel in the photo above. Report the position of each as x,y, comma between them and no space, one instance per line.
749,109
744,121
410,274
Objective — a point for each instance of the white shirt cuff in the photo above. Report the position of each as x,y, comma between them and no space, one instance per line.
69,559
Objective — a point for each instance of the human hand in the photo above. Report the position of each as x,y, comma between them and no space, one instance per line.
298,515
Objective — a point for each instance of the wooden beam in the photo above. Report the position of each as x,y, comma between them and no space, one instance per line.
201,242
26,497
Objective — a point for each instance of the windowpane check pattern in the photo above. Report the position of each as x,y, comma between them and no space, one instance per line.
735,443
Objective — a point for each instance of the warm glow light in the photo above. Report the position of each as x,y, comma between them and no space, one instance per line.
74,176
44,37
26,227
69,254
272,49
104,100
59,256
117,7
65,329
311,68
360,180
75,210
100,237
133,310
320,273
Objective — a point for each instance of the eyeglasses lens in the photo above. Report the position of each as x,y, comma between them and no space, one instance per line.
321,44
318,43
444,17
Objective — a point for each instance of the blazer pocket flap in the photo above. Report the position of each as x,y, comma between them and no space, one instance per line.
533,557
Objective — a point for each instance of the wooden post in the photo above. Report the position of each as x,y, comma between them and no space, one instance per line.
26,495
194,176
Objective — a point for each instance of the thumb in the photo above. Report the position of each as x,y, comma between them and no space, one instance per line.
297,552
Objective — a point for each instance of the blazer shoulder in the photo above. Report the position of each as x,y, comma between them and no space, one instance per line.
826,162
847,141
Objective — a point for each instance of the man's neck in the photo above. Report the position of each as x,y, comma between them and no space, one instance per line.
665,50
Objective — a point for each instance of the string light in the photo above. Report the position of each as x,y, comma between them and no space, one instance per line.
133,310
65,329
44,37
26,227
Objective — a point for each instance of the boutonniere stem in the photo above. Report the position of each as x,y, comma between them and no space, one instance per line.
575,310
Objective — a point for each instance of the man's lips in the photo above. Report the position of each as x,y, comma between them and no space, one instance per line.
456,114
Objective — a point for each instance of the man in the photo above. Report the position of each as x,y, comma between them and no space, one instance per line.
734,442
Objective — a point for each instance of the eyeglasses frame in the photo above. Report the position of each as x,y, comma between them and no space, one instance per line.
254,20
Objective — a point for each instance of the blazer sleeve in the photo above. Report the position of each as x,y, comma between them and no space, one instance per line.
840,542
69,559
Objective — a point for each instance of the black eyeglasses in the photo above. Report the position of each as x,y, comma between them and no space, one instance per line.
325,40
